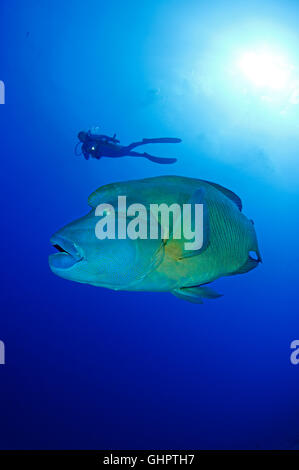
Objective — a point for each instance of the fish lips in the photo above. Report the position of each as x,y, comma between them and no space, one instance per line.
68,255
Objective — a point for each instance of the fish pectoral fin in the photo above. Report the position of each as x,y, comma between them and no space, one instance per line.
199,226
196,294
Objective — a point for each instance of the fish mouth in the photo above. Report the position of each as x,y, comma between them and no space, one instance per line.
68,253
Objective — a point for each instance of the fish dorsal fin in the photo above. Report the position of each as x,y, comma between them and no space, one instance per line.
228,193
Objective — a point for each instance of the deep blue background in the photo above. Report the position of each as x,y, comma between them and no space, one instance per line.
91,368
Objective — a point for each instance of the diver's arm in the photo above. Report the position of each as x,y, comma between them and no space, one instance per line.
103,138
97,137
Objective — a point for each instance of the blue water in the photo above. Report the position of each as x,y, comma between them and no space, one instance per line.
88,367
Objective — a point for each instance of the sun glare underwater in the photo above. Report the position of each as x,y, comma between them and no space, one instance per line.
88,367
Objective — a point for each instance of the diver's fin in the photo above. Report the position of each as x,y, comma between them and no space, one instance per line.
162,140
158,159
228,193
196,294
179,244
250,264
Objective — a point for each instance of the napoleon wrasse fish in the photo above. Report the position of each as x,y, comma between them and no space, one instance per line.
163,264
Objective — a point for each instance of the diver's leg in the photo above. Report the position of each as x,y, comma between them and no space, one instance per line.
152,158
133,145
159,140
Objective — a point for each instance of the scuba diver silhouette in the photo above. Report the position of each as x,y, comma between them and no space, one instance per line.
100,145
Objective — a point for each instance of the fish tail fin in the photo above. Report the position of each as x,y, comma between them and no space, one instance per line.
250,264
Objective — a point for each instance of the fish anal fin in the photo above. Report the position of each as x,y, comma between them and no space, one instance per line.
187,296
196,294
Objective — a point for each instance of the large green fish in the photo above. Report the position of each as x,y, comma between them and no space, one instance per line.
229,244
